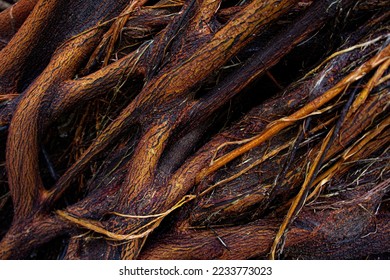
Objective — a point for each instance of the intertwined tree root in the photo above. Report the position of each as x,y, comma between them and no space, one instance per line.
205,129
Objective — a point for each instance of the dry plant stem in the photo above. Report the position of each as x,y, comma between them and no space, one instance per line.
278,125
180,183
207,10
139,233
157,217
349,109
202,21
300,199
322,80
258,64
22,152
188,243
164,40
74,92
316,15
357,46
374,106
352,220
7,97
203,244
362,97
144,23
281,176
169,87
70,92
12,18
257,162
184,200
94,226
148,151
103,81
239,203
112,36
353,126
267,156
208,190
352,152
18,49
18,241
139,183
